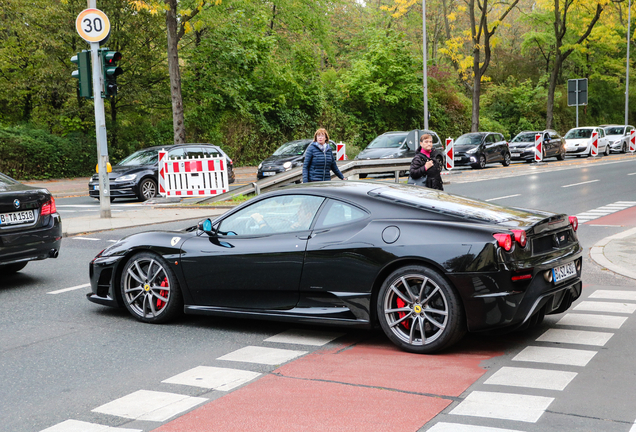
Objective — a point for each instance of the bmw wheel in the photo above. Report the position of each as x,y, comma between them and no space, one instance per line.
147,189
150,289
419,311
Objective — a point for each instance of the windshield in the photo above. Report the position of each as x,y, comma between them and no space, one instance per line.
292,148
447,203
614,130
7,181
387,141
524,137
469,139
578,133
141,157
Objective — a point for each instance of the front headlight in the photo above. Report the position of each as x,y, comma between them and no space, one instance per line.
128,177
260,165
287,165
473,150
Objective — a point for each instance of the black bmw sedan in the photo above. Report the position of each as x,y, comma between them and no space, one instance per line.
424,265
30,227
137,175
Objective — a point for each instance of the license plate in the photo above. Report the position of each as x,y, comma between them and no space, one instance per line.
563,272
96,187
515,154
269,173
17,217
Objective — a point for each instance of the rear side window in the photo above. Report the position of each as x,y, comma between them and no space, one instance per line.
338,212
176,153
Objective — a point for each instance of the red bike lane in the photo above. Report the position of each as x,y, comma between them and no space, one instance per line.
369,386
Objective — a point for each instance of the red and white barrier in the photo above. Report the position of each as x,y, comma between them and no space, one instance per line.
341,154
538,147
192,177
449,152
632,140
594,151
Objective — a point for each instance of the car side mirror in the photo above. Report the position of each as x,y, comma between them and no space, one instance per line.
206,226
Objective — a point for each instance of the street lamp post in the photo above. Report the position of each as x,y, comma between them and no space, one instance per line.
424,64
629,18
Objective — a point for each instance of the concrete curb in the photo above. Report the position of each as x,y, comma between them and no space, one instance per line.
597,253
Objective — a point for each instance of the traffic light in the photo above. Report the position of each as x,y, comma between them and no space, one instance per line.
83,73
111,71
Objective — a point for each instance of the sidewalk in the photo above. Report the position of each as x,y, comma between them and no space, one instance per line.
617,253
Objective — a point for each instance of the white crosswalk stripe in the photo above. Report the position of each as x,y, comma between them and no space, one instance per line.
577,337
262,355
80,426
604,210
505,406
222,379
590,320
304,337
614,295
599,306
456,427
562,356
531,378
150,405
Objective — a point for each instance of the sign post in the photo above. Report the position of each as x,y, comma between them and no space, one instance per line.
450,154
632,141
577,94
93,26
538,147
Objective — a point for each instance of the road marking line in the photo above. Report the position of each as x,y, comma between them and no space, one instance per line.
590,320
77,426
597,306
503,197
60,291
86,238
614,295
150,405
578,184
632,174
505,406
531,378
304,337
221,379
456,427
262,355
578,337
562,356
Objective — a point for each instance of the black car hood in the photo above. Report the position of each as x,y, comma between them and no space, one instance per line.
378,153
464,148
119,171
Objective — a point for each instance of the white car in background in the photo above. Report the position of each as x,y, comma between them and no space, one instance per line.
578,141
618,137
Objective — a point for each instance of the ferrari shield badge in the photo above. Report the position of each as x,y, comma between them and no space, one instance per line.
174,241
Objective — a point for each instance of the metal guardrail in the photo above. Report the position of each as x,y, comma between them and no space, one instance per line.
348,169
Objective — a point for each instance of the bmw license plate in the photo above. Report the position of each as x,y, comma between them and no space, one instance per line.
563,272
17,217
268,173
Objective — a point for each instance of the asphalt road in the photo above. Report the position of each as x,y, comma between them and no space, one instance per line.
61,356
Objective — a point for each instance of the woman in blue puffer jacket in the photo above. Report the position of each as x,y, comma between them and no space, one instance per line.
319,160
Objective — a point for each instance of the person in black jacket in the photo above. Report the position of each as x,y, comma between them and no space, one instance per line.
425,163
319,160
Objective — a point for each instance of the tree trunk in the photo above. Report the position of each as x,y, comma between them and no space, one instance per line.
175,75
476,91
551,89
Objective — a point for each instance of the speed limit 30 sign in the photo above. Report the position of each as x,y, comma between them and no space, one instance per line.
92,25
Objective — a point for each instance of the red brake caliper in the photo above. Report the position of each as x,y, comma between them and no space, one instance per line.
163,293
401,304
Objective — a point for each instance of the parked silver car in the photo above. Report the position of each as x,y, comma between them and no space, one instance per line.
618,137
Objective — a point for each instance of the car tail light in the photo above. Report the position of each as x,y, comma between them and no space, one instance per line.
524,276
520,237
49,207
574,221
504,241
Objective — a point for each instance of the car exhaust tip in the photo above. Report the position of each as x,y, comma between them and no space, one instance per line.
53,253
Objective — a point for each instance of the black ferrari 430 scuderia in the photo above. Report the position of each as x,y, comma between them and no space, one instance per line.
425,265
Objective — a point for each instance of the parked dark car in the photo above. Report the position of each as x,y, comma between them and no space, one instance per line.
30,227
423,264
480,148
522,146
289,155
399,144
136,175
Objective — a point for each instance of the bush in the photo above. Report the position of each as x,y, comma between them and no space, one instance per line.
27,153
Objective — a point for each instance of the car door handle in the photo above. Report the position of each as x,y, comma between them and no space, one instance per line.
313,234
